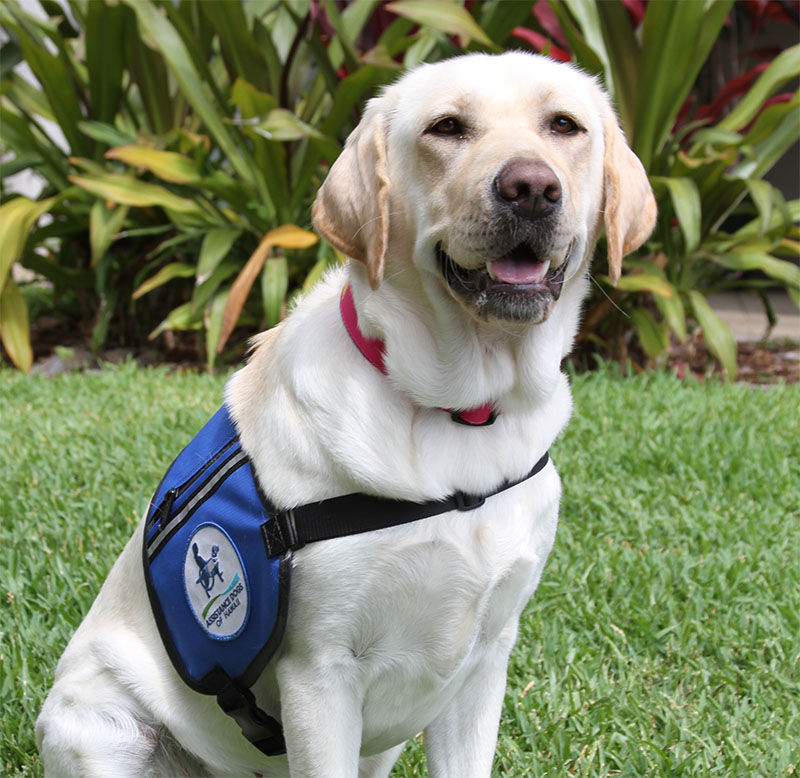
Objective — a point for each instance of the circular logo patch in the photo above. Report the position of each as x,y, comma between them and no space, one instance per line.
215,582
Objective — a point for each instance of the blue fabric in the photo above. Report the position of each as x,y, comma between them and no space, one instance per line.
215,594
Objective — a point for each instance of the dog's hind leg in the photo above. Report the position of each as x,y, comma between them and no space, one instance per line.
380,765
76,741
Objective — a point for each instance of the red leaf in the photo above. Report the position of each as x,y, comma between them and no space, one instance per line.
734,88
546,16
541,43
635,9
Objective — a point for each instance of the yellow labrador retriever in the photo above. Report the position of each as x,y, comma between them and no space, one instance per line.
424,373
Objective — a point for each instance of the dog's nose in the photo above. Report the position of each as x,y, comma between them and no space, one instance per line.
529,187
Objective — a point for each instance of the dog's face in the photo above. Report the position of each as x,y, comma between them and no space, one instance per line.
492,173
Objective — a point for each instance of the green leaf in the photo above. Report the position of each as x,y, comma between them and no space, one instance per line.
56,79
130,191
104,224
104,37
149,73
687,206
786,272
349,93
166,165
782,69
274,286
622,51
316,273
270,157
791,215
213,324
14,327
167,273
761,192
181,318
442,16
203,291
643,282
163,36
282,125
676,39
17,217
215,247
652,335
772,134
108,305
240,50
586,14
671,308
717,333
106,133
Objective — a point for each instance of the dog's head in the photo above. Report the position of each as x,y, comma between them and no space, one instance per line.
492,173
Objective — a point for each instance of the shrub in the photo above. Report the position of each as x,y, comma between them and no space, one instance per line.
197,134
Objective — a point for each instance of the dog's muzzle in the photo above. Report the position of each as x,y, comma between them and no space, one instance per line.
518,286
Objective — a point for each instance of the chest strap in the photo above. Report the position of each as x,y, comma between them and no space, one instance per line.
352,514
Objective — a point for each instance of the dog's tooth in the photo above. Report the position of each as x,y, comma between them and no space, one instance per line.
490,271
545,268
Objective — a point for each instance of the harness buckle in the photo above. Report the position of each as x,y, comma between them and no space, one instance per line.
468,502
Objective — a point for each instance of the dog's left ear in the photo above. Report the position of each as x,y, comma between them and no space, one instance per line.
629,205
352,207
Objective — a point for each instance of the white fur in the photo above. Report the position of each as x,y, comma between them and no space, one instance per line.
406,629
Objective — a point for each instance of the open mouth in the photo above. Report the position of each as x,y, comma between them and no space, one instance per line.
520,285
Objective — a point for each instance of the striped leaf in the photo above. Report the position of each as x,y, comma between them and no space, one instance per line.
14,327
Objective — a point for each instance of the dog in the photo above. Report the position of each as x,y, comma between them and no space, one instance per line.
468,201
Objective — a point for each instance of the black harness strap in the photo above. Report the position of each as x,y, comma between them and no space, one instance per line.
352,514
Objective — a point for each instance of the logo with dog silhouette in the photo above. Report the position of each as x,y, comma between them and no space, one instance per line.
215,582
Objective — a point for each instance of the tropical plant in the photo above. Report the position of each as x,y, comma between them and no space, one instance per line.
719,219
196,134
195,137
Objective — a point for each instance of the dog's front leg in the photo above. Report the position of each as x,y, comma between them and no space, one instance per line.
461,741
321,714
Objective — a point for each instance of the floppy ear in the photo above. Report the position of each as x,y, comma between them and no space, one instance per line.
352,207
629,206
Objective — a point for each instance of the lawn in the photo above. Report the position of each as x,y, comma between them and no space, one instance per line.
664,639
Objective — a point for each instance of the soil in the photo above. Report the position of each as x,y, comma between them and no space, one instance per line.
57,350
759,363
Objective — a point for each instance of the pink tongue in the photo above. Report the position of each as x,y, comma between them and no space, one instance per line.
513,271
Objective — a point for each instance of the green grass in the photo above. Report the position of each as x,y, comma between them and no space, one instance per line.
664,639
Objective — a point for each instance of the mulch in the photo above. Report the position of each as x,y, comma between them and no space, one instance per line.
56,352
758,363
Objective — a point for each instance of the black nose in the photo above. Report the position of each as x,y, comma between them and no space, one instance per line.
529,187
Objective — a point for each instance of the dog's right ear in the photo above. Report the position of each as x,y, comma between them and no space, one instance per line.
352,207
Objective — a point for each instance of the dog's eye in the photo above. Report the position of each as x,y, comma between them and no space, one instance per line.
563,125
449,127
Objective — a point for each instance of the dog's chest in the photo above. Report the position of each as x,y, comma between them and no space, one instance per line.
407,613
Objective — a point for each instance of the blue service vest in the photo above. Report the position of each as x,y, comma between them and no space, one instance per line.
218,598
217,561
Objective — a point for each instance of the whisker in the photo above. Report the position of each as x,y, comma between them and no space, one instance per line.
605,294
375,219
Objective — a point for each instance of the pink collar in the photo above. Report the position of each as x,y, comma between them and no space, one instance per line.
374,350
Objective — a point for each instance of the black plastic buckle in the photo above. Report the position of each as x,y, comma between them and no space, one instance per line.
263,731
468,502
